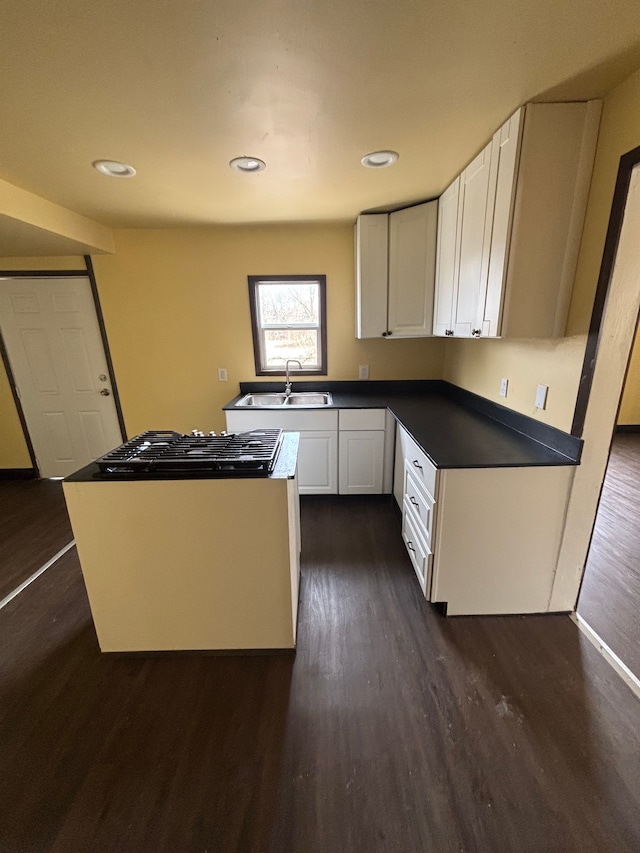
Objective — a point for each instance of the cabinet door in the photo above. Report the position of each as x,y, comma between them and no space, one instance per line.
412,259
361,462
477,196
446,259
506,146
372,261
318,463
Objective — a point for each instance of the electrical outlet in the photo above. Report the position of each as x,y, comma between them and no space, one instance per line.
222,374
504,384
363,371
541,396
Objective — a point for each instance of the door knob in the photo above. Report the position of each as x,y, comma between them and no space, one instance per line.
105,392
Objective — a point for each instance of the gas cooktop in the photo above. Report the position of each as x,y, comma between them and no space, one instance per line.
164,452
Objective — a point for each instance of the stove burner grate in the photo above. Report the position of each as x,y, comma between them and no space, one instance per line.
156,451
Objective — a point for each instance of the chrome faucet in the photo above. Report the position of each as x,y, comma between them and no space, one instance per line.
287,387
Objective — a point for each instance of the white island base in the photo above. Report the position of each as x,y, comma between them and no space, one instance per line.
201,564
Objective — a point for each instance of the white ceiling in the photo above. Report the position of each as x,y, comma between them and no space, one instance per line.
179,87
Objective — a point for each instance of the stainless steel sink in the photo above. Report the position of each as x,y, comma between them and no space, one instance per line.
263,400
277,401
309,399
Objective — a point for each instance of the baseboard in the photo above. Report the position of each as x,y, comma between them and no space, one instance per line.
630,679
628,428
17,473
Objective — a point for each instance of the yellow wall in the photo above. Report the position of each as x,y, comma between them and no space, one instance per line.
630,406
13,448
176,308
480,365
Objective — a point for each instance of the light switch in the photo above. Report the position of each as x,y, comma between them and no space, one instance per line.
541,396
363,371
222,374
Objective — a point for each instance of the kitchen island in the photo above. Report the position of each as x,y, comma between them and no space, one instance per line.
206,563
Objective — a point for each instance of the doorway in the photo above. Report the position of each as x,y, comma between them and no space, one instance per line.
609,347
609,600
59,369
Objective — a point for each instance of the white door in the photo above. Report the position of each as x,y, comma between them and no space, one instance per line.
53,341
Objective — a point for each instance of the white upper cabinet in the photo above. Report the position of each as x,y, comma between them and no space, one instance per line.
446,259
476,203
395,272
372,274
507,258
412,262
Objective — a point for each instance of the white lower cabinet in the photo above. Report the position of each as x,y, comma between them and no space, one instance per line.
317,462
361,462
318,453
482,540
361,451
419,551
419,480
348,451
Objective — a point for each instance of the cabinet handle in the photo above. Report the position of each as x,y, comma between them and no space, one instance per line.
410,546
384,334
417,464
476,332
413,500
448,331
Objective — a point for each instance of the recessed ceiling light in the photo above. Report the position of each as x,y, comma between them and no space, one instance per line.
114,169
380,159
247,164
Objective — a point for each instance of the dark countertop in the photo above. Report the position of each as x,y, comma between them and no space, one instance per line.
284,469
456,429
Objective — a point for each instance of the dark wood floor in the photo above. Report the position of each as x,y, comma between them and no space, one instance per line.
392,729
34,526
610,593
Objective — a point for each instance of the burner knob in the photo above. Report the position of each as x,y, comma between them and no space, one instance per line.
212,432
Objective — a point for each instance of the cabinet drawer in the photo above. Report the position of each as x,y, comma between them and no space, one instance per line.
419,552
424,470
418,502
361,419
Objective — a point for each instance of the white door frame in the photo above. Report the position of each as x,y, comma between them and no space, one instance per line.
89,274
613,330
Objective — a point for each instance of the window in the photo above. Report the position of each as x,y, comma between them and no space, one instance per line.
288,318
